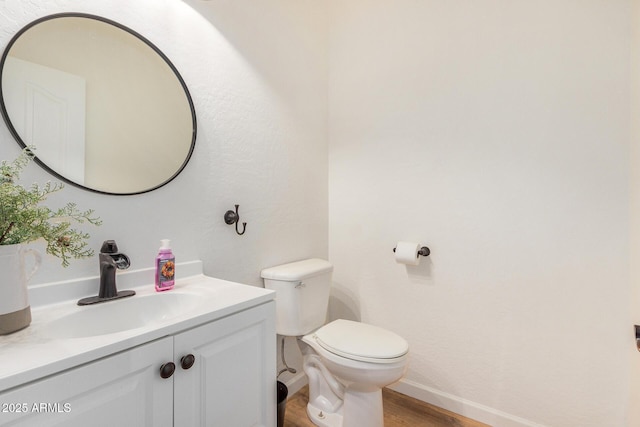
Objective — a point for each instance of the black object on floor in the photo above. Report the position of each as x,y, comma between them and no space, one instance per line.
282,402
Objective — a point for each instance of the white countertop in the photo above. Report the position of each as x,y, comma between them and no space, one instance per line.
33,353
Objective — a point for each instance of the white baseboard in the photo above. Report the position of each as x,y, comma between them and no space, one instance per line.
461,406
296,382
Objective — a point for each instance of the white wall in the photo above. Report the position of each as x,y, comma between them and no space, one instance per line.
634,164
497,133
257,75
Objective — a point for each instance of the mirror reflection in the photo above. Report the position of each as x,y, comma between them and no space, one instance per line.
104,108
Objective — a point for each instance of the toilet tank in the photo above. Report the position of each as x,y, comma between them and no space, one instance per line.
302,294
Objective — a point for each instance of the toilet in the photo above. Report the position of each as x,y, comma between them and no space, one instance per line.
347,363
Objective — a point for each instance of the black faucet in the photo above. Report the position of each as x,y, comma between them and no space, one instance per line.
110,260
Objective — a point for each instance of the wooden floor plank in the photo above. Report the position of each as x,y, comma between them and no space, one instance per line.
399,411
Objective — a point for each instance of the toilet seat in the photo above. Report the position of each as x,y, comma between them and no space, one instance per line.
361,342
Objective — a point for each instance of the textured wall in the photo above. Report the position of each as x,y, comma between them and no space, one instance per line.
497,133
257,75
634,300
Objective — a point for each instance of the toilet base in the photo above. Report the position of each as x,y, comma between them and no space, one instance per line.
323,419
360,408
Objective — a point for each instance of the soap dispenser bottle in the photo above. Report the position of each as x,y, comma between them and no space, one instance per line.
165,267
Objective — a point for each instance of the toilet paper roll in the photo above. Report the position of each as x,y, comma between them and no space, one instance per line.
407,253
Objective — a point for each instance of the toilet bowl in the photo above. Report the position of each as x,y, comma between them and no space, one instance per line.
347,363
362,365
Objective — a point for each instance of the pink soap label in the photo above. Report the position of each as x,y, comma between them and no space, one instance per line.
167,271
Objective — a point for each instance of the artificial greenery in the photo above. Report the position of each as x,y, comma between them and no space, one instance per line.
23,219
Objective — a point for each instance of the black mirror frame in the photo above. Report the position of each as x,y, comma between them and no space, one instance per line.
18,138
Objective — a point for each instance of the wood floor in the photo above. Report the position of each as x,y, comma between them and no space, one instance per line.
399,411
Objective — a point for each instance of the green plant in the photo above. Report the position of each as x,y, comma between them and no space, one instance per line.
23,219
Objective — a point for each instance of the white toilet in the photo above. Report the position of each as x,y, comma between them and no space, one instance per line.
347,363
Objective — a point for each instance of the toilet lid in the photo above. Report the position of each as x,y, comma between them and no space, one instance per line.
359,341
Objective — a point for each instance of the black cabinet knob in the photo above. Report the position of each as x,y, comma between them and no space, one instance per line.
187,361
167,369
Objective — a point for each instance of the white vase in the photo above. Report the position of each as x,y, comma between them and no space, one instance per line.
15,311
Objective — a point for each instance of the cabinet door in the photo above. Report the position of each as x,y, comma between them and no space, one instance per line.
233,380
120,390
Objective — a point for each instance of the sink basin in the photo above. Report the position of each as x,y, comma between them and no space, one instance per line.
121,315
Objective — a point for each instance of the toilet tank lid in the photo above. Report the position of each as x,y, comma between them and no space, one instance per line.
297,270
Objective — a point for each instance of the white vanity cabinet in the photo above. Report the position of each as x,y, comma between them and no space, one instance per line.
232,381
120,390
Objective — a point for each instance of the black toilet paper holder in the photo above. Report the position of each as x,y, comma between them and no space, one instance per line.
424,251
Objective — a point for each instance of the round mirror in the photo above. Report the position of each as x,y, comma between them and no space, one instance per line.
104,108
